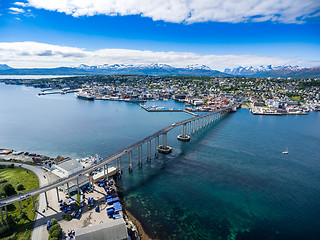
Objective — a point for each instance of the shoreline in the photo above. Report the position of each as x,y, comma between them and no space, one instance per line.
130,218
141,232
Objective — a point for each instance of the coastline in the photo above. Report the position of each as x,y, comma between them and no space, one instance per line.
130,218
142,234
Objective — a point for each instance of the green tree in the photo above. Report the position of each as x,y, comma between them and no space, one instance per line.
54,228
20,187
9,190
53,222
11,165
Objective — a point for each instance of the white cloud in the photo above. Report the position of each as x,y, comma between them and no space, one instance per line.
15,10
190,11
21,4
34,54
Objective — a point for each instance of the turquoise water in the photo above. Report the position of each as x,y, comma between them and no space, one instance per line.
230,182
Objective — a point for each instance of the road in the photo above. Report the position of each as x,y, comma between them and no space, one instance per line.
39,227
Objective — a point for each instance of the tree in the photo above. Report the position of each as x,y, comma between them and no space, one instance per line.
53,222
54,228
9,190
20,187
56,233
11,165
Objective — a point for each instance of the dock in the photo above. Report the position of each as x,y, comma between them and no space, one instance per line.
167,110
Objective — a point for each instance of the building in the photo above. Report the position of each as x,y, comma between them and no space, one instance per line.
68,167
109,230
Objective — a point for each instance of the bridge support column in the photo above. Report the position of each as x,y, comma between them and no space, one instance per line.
34,204
106,166
164,148
149,150
184,137
141,155
155,147
46,197
20,206
78,188
130,161
1,214
68,188
119,168
193,127
57,195
5,208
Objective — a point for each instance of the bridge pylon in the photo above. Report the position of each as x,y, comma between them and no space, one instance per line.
164,148
184,137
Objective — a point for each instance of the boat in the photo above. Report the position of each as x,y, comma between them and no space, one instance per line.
285,152
85,96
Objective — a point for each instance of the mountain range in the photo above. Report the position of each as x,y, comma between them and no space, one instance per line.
168,70
251,70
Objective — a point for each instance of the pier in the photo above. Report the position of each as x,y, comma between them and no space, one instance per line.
152,142
167,110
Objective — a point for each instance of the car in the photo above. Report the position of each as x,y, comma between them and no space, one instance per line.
22,197
28,195
43,210
173,124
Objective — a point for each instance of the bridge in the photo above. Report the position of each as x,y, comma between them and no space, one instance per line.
189,126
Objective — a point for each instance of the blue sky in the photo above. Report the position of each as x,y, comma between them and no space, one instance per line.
181,34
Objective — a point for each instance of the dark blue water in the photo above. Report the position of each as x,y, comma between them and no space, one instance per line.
230,182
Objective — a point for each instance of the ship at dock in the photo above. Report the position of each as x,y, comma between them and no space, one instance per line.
85,96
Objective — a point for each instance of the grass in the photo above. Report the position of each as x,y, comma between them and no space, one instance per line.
16,176
296,98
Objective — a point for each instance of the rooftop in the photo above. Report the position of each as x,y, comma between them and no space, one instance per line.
69,165
111,230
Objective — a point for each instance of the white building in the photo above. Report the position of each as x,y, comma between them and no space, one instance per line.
67,168
109,230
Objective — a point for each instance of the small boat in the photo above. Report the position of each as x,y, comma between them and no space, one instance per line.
285,152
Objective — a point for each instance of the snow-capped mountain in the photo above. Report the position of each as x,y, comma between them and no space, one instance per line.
142,66
4,67
167,70
251,70
151,69
198,67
